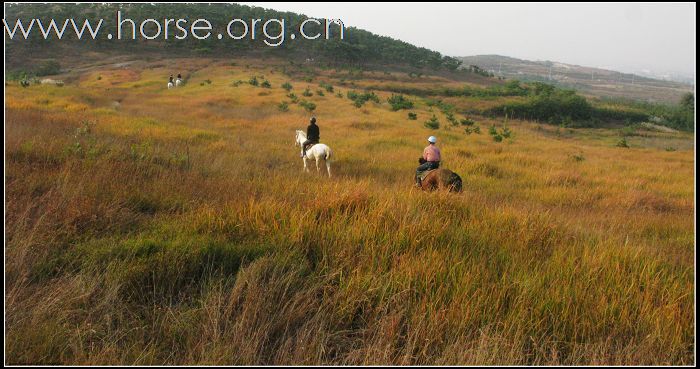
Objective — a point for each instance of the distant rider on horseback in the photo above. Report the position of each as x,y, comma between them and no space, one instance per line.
429,161
313,135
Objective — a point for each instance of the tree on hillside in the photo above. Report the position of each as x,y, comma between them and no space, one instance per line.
684,116
688,101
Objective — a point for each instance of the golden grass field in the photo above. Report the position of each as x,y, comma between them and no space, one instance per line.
155,226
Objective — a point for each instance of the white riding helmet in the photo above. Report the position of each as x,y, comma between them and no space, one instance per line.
432,139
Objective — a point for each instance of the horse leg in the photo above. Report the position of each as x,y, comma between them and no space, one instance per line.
328,167
318,169
306,169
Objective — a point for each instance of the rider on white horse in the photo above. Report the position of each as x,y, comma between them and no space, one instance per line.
313,135
318,152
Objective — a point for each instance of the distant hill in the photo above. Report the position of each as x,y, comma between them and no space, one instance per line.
357,48
591,81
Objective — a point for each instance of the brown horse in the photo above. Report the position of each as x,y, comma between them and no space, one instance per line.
442,179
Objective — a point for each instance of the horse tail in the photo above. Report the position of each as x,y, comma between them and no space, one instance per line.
455,182
328,154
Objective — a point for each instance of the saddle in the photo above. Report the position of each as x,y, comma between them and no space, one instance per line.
425,173
309,145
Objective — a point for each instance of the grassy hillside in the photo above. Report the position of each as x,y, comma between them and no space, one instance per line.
147,226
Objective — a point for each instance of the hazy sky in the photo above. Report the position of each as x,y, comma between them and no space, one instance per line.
629,37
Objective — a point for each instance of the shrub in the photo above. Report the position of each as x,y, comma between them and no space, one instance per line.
622,143
287,86
307,105
399,102
307,93
451,118
469,130
499,136
294,98
412,116
253,81
432,123
370,96
444,107
360,99
467,122
266,84
492,130
319,93
506,133
283,106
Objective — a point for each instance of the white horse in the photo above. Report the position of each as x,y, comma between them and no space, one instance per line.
318,151
170,85
178,82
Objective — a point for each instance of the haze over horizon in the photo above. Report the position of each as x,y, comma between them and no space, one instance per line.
658,38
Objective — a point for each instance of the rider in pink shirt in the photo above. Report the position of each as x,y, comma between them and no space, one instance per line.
430,159
431,153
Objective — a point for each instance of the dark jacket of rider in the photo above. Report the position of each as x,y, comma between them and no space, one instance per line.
312,133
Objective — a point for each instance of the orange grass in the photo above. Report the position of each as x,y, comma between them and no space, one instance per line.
177,228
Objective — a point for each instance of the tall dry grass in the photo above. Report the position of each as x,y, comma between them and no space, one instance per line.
147,226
